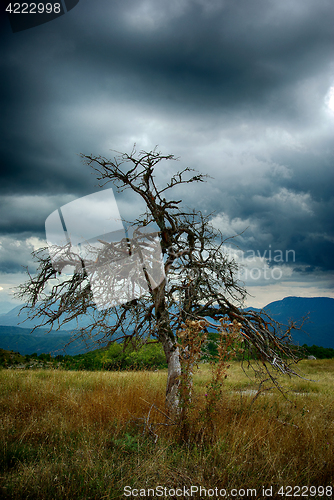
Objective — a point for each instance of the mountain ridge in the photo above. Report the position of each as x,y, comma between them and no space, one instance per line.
318,328
314,315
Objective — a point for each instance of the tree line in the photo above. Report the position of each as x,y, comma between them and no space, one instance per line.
118,357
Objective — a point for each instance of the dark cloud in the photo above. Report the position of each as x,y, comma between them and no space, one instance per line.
236,88
16,253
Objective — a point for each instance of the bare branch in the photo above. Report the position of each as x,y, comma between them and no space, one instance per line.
200,279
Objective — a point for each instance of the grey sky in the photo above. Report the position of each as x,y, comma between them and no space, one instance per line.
240,89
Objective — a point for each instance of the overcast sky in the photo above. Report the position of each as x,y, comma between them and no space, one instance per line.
242,90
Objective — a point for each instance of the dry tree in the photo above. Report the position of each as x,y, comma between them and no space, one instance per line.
200,279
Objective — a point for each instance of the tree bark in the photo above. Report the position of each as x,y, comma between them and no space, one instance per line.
167,338
174,371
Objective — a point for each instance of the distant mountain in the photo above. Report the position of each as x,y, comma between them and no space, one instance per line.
39,332
14,318
6,306
318,329
41,341
21,340
16,334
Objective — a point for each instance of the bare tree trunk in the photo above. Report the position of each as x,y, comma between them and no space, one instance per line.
166,337
174,372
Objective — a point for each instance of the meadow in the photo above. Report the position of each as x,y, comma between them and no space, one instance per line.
88,435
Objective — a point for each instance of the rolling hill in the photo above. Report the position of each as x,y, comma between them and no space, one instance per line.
40,341
318,329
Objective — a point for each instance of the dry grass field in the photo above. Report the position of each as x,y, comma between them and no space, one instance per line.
81,435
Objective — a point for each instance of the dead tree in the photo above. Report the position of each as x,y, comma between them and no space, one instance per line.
200,279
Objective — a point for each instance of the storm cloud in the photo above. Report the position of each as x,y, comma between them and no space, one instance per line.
242,90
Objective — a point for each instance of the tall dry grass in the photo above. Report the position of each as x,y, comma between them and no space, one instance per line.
79,435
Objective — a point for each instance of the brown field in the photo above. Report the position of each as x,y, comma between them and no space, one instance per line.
81,435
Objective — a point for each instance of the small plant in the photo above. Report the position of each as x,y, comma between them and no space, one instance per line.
190,343
124,444
228,346
193,339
